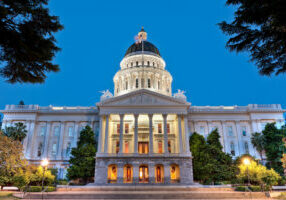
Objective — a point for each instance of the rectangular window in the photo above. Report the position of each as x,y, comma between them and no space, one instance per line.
160,147
229,130
56,131
246,148
159,128
243,130
143,147
202,130
40,147
169,147
70,131
168,128
137,83
126,149
68,149
118,128
54,149
126,128
117,147
42,131
149,83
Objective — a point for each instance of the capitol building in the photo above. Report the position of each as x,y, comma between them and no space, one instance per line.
142,129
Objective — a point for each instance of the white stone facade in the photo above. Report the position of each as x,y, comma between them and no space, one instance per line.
142,131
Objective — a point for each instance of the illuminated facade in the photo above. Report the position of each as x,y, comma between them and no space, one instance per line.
143,129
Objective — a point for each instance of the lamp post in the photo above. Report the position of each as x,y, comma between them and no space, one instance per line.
44,164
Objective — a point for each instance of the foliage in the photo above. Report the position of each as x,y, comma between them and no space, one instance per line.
259,27
16,132
27,44
62,182
37,174
210,163
11,159
253,188
258,174
257,141
82,161
39,189
274,146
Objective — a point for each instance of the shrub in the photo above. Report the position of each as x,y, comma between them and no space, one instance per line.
241,188
62,182
39,189
245,188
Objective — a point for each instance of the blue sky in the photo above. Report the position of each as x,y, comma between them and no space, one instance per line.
97,34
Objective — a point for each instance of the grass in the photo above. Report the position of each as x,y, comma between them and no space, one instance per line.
6,196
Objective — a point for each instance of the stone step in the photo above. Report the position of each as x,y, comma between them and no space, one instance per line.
147,195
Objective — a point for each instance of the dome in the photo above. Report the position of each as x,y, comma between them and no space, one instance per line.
137,47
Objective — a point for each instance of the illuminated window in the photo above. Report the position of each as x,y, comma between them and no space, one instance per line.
229,130
126,128
159,174
40,148
149,83
143,174
112,174
127,174
243,130
159,128
56,130
143,147
175,174
70,131
160,147
137,83
118,128
126,149
168,128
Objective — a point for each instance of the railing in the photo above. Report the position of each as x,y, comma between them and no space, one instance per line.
236,108
49,108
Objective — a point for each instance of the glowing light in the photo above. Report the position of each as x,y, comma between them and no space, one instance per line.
45,162
141,174
246,161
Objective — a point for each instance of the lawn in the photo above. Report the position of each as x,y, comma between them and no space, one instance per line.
6,196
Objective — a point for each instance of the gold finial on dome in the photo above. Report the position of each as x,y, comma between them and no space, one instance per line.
142,34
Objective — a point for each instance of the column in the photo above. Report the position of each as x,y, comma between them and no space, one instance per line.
187,150
25,143
99,142
165,134
106,134
77,134
151,169
61,141
223,135
47,139
31,139
136,133
150,133
180,133
239,139
121,133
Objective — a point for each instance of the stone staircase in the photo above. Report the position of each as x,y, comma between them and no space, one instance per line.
146,193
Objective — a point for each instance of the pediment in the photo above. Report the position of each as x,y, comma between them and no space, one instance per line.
143,98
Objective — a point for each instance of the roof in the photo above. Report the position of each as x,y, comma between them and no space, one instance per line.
147,46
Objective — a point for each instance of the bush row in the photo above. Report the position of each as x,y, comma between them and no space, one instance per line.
39,189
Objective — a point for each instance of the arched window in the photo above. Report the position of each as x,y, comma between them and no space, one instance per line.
159,174
175,173
127,174
112,174
232,149
246,148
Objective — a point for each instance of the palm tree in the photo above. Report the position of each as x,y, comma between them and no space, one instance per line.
16,132
257,141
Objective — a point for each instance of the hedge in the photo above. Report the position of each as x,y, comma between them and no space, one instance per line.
39,189
253,188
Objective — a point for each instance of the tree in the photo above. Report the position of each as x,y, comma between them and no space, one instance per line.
259,27
257,141
16,132
274,146
258,175
11,159
210,163
27,44
82,161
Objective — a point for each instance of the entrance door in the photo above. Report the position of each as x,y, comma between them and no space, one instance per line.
143,174
143,147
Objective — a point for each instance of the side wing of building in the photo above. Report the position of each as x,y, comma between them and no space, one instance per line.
235,124
52,131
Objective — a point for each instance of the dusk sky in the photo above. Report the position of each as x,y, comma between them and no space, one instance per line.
97,34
